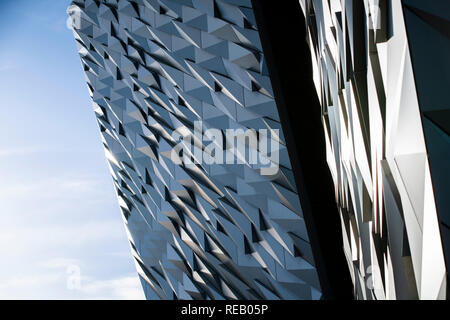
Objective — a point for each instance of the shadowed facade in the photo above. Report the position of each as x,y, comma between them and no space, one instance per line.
382,74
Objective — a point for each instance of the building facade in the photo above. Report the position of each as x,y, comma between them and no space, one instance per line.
246,169
382,73
161,74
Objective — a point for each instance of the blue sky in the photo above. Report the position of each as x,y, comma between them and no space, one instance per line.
58,207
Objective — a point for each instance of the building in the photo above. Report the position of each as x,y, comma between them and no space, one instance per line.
155,70
382,73
251,164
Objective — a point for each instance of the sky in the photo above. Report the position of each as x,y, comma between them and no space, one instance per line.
61,231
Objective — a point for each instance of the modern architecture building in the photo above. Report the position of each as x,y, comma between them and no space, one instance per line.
381,71
252,164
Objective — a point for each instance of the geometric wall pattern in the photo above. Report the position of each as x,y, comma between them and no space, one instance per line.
382,76
218,231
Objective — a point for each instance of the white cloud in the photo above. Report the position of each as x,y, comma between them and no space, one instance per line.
27,281
19,151
124,288
53,284
47,217
77,186
18,240
59,263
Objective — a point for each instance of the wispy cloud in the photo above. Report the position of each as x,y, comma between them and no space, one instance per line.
7,66
30,286
56,263
124,288
61,187
20,151
36,149
57,236
27,281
